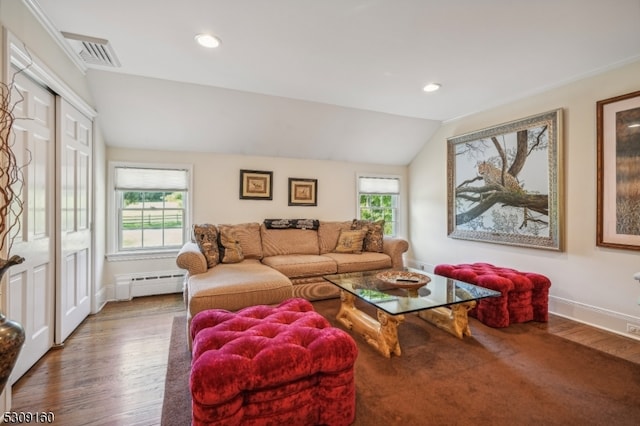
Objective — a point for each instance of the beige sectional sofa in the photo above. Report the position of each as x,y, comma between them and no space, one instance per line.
278,264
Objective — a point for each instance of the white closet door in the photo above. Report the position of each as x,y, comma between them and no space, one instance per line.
73,292
30,291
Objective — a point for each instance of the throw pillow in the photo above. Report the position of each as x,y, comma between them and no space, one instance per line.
375,234
229,245
206,236
312,224
350,241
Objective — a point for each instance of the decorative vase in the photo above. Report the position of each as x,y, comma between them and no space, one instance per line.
11,333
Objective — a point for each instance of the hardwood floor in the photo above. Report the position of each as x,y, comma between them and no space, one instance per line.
111,371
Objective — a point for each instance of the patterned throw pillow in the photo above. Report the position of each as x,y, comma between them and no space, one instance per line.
312,224
206,236
229,245
375,234
350,241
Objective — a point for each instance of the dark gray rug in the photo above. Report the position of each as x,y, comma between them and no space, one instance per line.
521,375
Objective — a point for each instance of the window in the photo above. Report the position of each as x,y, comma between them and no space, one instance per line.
378,199
151,207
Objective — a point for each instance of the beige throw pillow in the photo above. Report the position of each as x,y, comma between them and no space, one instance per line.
206,236
350,241
229,245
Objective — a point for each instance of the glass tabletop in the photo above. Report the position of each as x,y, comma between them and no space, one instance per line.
440,291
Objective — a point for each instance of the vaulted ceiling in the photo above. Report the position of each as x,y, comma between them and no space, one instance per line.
323,79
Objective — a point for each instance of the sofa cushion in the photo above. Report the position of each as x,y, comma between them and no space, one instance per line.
249,236
350,241
366,261
206,236
229,245
277,242
328,233
375,234
301,265
233,286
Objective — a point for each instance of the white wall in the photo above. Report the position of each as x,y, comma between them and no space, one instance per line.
589,283
216,180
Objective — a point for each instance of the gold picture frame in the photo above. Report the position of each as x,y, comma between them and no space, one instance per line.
303,192
618,141
256,185
504,183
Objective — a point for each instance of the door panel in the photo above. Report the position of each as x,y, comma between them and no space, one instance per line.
30,293
74,154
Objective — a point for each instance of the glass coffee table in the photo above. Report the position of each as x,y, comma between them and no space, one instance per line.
442,301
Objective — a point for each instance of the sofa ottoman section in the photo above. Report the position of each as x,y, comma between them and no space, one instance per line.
233,286
271,365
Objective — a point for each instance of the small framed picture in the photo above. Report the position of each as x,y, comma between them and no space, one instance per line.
255,185
303,192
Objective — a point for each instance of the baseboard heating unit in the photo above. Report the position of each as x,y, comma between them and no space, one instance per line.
129,286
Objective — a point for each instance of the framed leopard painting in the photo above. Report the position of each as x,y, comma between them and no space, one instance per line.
504,183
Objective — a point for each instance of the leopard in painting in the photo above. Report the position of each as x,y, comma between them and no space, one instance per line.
493,176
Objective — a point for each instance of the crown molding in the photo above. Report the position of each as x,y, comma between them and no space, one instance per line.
55,34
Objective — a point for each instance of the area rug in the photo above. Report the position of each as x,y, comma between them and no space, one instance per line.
521,375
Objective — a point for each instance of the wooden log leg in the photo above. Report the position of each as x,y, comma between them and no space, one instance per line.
382,334
453,319
389,331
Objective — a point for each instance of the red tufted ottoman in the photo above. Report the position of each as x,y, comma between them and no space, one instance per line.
525,295
267,365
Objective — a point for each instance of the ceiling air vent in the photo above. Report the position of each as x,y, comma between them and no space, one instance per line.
92,50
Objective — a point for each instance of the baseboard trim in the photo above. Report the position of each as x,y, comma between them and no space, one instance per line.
614,322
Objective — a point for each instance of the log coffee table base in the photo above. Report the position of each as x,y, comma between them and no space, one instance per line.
453,319
382,333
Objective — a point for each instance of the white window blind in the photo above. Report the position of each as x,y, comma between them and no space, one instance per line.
141,179
374,185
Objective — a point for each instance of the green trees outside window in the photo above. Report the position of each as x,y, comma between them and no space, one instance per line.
380,206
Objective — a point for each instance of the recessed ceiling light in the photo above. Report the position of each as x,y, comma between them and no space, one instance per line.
207,40
431,87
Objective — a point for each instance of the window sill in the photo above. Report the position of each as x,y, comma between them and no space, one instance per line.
142,255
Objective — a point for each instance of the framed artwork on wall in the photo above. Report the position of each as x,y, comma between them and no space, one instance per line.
256,185
303,192
504,183
618,184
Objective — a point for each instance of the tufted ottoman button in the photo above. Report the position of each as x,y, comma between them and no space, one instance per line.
525,295
270,365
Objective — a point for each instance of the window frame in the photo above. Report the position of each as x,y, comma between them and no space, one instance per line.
114,253
398,213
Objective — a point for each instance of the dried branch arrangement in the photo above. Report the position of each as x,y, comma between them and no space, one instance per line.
11,175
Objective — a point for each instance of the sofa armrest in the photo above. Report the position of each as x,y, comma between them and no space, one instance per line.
395,247
191,258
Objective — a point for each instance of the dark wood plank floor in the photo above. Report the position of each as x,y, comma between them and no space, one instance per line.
111,371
